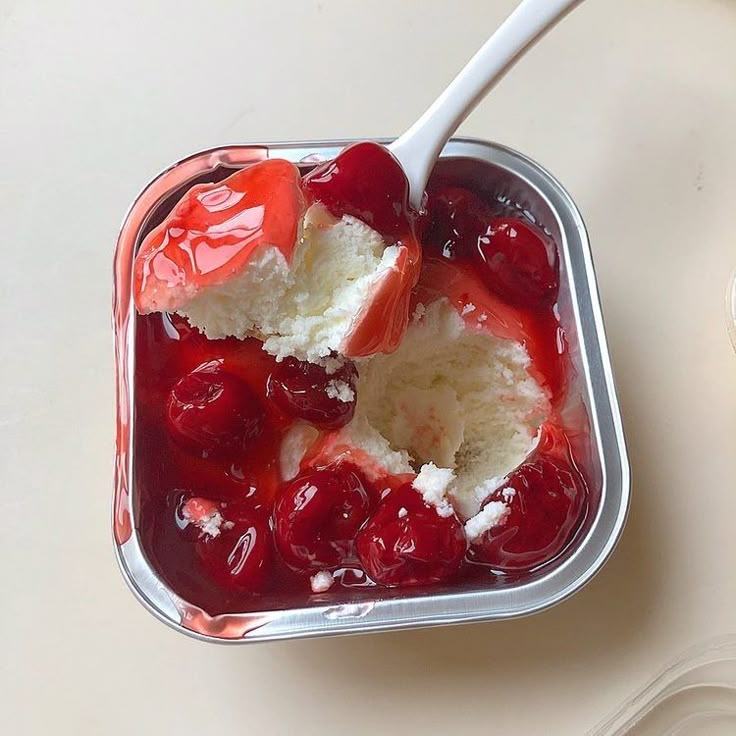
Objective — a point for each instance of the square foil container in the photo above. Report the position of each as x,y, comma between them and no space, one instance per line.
515,181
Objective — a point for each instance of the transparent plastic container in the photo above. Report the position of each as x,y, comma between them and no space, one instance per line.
694,696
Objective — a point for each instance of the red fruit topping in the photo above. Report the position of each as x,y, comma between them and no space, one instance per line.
212,412
519,264
458,219
547,500
235,550
306,391
406,542
366,182
317,516
213,232
214,510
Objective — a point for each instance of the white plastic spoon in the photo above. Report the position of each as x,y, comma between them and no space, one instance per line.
418,148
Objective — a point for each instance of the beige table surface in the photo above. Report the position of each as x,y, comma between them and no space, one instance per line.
631,103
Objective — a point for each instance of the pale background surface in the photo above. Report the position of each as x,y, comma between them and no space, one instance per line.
631,103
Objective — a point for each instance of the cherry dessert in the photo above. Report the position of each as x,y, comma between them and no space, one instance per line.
226,517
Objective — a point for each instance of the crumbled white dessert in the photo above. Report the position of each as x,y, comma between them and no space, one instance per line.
451,395
331,364
294,446
508,494
303,309
492,514
383,458
321,581
207,521
434,483
402,512
468,308
340,390
419,311
482,491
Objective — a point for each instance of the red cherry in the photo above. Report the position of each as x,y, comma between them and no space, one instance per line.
317,516
520,266
238,556
406,542
547,506
306,391
212,412
367,182
458,219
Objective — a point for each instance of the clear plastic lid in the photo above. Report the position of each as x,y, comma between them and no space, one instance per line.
694,696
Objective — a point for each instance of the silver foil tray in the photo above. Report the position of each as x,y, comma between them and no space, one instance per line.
484,166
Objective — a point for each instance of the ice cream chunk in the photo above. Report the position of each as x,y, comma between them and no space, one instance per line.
242,258
305,309
492,514
294,446
434,483
451,395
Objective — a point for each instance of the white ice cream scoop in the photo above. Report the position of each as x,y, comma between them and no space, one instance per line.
418,148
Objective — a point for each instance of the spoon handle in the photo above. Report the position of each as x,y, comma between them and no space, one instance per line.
418,148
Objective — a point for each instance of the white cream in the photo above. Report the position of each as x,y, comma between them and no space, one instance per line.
492,514
457,397
321,581
294,446
303,309
340,390
433,483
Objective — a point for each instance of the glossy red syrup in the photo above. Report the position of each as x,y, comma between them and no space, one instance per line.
215,229
211,416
